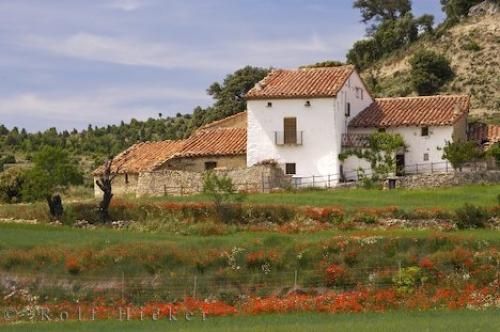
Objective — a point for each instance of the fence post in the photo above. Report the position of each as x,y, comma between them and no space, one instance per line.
262,181
123,287
194,287
295,282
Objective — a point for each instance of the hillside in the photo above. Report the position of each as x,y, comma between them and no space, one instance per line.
472,46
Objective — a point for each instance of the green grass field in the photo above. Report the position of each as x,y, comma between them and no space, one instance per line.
446,198
27,236
395,321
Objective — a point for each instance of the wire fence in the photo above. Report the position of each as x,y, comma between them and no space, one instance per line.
263,281
266,182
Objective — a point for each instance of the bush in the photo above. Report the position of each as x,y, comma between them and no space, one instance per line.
224,197
11,182
471,216
429,71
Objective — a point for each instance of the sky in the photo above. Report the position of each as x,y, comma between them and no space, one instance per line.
70,63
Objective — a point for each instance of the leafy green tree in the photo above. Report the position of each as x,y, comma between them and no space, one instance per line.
494,152
429,72
381,10
455,9
325,64
223,194
53,171
11,183
459,153
380,152
229,96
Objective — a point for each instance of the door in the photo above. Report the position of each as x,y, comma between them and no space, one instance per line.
290,130
400,164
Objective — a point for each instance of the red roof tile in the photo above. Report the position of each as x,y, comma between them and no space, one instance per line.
301,83
484,133
144,156
215,142
238,120
413,111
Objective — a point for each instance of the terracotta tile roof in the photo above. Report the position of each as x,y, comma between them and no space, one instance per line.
215,142
484,133
413,111
144,156
237,120
301,83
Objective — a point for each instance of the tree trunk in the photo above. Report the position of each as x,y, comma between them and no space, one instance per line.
55,206
104,205
105,184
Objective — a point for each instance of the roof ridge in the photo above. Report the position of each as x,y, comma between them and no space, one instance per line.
422,97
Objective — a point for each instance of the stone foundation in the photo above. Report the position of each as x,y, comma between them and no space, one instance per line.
448,179
261,178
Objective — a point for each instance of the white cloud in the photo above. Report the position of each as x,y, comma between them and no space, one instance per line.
126,5
223,57
102,106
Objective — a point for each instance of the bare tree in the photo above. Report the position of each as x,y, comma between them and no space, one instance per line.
105,184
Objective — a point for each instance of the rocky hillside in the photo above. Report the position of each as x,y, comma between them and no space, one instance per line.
472,46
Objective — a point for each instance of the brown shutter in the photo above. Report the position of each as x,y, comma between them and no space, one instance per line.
290,130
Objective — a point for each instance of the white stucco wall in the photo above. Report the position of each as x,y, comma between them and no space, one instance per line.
417,146
323,124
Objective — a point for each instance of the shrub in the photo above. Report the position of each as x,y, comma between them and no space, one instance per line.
330,214
335,275
11,182
407,278
429,71
224,196
471,216
72,265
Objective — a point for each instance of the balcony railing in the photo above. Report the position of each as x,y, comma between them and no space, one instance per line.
355,140
290,138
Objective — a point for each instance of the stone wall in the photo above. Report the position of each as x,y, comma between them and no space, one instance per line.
261,178
197,164
122,185
448,179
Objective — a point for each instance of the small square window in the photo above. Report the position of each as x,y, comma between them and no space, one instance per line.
425,131
307,104
210,165
348,109
381,130
290,169
426,157
269,104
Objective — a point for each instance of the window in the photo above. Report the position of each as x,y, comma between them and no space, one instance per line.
426,157
307,104
348,109
269,104
425,131
209,165
290,130
381,130
290,168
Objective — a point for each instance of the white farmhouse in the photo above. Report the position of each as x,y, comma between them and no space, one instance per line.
304,118
298,117
426,124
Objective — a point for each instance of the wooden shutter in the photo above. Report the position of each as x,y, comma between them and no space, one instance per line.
290,130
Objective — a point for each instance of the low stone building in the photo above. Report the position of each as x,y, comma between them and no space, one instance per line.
216,146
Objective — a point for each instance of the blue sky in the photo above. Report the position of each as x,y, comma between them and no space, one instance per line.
68,63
